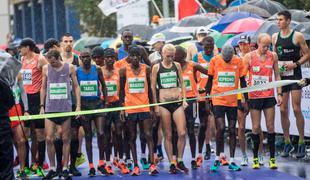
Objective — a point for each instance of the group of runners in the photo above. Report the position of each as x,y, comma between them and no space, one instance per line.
175,79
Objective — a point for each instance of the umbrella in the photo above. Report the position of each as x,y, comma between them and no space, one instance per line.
87,42
271,27
191,23
163,27
176,38
231,17
219,38
106,43
297,15
141,31
186,44
270,6
304,27
236,3
248,8
234,40
243,25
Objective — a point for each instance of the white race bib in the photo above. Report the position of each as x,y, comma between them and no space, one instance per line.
226,79
111,88
259,80
136,85
187,83
58,91
168,79
27,76
89,88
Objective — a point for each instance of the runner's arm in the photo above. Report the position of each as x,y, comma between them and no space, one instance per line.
23,94
75,86
148,76
198,67
304,48
103,86
122,81
43,87
145,56
42,61
209,84
181,80
276,71
153,82
243,84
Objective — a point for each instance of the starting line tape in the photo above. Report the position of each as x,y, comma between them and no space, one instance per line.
269,85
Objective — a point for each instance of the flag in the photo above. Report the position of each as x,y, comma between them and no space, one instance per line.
111,6
187,8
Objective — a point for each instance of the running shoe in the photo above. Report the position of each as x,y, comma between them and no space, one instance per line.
80,159
233,166
34,167
45,166
115,162
301,151
109,170
199,161
272,163
50,175
172,169
129,165
92,172
28,171
22,175
153,170
145,165
102,170
123,168
261,160
182,167
40,171
255,164
74,172
215,166
207,155
224,162
66,175
194,164
136,171
244,161
288,149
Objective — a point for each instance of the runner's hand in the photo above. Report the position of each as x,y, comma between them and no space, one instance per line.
78,108
184,104
279,100
290,66
26,114
122,116
42,110
304,82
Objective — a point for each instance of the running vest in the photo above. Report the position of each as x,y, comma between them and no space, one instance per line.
112,84
136,90
89,83
260,72
58,98
189,80
32,76
167,78
121,63
288,52
202,78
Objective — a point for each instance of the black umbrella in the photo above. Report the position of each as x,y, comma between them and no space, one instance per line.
163,27
191,23
297,15
248,8
141,31
176,38
303,27
271,6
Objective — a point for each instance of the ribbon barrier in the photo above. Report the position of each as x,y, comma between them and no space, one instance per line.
260,87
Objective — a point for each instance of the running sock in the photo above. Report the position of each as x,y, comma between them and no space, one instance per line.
301,141
58,151
271,143
180,159
217,157
287,142
143,155
159,149
231,160
255,138
27,154
91,165
41,149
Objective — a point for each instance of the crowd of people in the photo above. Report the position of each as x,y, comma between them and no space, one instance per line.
177,80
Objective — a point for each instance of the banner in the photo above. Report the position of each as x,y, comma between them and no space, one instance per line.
305,108
111,6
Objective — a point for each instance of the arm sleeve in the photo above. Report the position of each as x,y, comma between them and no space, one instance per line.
209,84
23,95
243,84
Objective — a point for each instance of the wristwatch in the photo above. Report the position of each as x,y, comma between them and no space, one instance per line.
297,63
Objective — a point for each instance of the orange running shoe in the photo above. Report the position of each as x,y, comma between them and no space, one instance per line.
199,161
109,170
115,162
224,162
123,168
136,171
153,170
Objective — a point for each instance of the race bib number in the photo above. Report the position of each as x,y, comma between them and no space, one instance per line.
282,69
27,76
226,79
89,88
168,79
58,91
206,66
136,85
187,83
259,80
111,88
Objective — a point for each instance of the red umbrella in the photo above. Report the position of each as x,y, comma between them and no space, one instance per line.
243,25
